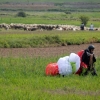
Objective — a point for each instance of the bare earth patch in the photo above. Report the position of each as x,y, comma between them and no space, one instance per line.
73,91
47,52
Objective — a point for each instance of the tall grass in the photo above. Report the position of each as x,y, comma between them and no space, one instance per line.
24,79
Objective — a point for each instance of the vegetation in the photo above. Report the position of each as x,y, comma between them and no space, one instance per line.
17,39
21,14
52,5
24,78
56,1
84,19
50,18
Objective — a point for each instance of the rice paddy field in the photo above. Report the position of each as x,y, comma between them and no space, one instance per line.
22,76
24,55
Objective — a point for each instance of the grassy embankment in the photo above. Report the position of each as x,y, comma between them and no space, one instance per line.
20,38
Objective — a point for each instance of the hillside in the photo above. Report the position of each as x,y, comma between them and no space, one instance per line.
50,5
54,1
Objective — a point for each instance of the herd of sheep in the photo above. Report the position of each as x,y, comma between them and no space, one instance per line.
41,27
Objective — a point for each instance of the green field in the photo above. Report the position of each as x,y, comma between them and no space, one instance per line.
25,79
51,18
20,39
44,12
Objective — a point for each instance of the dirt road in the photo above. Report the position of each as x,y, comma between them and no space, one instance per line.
50,51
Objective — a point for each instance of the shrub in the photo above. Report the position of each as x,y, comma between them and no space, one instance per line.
67,12
21,14
84,19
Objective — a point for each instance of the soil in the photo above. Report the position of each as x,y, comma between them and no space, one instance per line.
48,51
47,6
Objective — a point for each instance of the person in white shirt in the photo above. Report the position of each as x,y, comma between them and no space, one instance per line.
91,27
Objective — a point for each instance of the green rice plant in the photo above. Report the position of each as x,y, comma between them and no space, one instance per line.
4,44
47,38
24,78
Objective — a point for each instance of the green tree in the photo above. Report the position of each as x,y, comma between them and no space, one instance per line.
21,14
84,19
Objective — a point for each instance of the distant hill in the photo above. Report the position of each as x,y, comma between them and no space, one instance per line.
54,1
50,5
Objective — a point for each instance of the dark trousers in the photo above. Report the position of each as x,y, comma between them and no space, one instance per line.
92,70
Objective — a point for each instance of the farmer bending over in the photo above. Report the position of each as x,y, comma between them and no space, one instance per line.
88,58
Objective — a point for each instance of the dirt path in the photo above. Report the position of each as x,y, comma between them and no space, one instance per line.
50,51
